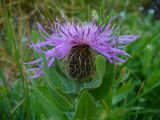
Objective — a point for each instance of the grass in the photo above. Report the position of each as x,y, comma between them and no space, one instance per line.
135,90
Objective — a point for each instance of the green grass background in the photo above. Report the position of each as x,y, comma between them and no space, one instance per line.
136,86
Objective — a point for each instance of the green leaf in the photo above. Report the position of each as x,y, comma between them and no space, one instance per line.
121,93
68,86
107,101
106,74
100,65
97,80
57,79
42,117
86,109
50,103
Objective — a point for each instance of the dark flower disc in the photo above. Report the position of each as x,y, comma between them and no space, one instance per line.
80,62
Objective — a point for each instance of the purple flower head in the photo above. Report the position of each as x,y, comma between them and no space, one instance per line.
73,39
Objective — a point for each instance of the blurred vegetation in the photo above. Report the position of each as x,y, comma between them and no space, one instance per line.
137,82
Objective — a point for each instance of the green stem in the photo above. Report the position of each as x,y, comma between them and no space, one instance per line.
17,57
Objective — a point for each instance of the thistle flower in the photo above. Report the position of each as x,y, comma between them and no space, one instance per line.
77,44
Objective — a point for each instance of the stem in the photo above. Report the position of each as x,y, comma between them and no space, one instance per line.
17,57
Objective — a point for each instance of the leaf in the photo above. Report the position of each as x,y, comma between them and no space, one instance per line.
68,86
46,101
107,101
57,79
97,80
100,65
121,93
86,109
42,117
50,103
106,74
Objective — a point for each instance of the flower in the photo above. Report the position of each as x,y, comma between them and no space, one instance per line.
76,42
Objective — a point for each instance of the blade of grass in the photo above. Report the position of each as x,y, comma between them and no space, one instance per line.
154,37
6,108
144,93
17,57
17,106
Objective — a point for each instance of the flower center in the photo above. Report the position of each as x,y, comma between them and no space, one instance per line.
80,62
